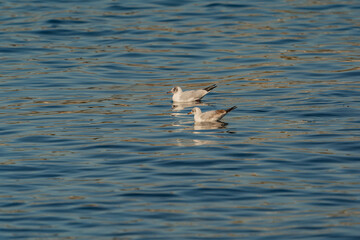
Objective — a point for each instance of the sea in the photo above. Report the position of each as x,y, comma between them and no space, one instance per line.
92,146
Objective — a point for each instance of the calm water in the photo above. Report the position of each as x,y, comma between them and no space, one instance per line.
91,146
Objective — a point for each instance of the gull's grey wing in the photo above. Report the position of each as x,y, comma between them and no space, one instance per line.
213,115
193,95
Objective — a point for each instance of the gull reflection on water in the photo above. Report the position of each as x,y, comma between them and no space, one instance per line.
209,125
198,128
197,134
179,106
195,142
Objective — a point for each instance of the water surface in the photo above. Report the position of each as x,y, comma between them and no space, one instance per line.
92,147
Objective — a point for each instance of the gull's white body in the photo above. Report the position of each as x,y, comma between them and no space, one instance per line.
191,95
210,116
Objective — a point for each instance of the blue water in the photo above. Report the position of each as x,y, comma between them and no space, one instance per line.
91,146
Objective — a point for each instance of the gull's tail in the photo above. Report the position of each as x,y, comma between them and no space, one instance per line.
209,88
230,109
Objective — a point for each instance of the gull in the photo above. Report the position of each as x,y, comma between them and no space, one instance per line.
210,116
189,96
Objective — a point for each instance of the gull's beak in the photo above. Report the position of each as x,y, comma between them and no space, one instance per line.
189,113
169,92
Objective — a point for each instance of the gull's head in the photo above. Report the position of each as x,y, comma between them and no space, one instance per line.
195,110
174,90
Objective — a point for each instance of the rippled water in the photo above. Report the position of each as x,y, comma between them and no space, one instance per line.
92,147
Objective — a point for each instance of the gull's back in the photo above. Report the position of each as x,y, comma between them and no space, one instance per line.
213,115
189,96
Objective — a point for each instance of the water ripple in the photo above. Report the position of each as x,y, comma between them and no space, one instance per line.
93,147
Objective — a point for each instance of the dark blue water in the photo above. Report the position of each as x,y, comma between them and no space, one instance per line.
91,146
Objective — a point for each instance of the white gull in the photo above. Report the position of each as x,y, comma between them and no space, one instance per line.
210,116
191,95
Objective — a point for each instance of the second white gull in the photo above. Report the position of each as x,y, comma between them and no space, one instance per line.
210,116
